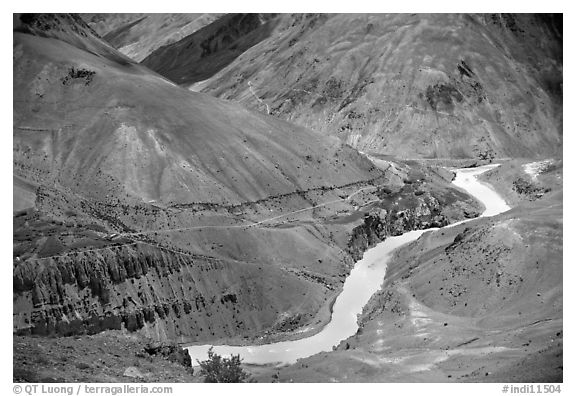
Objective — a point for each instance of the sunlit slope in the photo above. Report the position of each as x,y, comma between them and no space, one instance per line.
440,85
98,125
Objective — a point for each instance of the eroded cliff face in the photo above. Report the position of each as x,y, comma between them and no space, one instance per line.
163,294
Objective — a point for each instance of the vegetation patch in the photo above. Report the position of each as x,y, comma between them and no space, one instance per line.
219,369
82,75
333,88
442,95
532,191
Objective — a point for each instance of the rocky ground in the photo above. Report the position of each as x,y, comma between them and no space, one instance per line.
526,180
111,356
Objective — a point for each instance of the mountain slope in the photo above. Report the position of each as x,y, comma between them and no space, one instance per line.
146,207
98,122
138,35
103,145
203,53
440,85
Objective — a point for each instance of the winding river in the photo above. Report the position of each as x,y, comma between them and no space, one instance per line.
364,280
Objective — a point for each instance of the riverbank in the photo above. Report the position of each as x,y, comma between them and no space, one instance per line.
364,280
476,302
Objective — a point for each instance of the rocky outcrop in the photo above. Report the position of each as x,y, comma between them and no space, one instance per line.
380,223
163,294
170,352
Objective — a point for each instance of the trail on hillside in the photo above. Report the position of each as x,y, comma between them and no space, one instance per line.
130,235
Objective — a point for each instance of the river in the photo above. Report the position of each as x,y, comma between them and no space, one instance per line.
364,280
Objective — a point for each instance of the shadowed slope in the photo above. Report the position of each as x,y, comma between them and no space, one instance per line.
204,53
138,35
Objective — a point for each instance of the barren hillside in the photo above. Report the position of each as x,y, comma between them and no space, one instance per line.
196,179
440,85
144,206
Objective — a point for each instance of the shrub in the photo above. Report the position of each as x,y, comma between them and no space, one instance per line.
219,369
